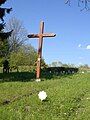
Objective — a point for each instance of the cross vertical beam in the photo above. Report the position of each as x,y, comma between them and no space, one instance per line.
40,36
40,50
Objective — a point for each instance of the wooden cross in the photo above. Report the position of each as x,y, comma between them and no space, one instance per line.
41,35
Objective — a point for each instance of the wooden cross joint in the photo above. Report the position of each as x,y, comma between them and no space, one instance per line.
41,35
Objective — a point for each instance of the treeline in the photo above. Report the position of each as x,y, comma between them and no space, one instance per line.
25,59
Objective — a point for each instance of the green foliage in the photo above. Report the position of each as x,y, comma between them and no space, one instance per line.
26,56
68,99
4,48
1,61
4,44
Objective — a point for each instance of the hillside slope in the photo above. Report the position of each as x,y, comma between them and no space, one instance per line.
68,99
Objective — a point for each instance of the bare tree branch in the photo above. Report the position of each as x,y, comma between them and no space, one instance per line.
67,2
19,34
84,4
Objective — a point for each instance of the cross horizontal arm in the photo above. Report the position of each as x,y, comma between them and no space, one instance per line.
43,35
49,35
33,36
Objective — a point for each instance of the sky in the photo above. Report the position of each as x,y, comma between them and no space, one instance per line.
71,26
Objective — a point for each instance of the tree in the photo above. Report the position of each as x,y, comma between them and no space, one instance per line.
56,64
18,36
4,48
25,57
86,66
3,11
3,35
81,3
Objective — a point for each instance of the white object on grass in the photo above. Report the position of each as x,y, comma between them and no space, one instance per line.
82,71
38,80
42,95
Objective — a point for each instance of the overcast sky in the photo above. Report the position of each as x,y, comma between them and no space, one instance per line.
72,28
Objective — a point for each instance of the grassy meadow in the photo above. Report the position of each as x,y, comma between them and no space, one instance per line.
68,98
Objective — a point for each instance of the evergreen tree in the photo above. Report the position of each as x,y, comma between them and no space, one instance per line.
3,35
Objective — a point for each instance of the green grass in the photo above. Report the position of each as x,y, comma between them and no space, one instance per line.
68,99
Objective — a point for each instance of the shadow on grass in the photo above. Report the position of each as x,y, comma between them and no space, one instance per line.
22,76
50,76
28,76
17,76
